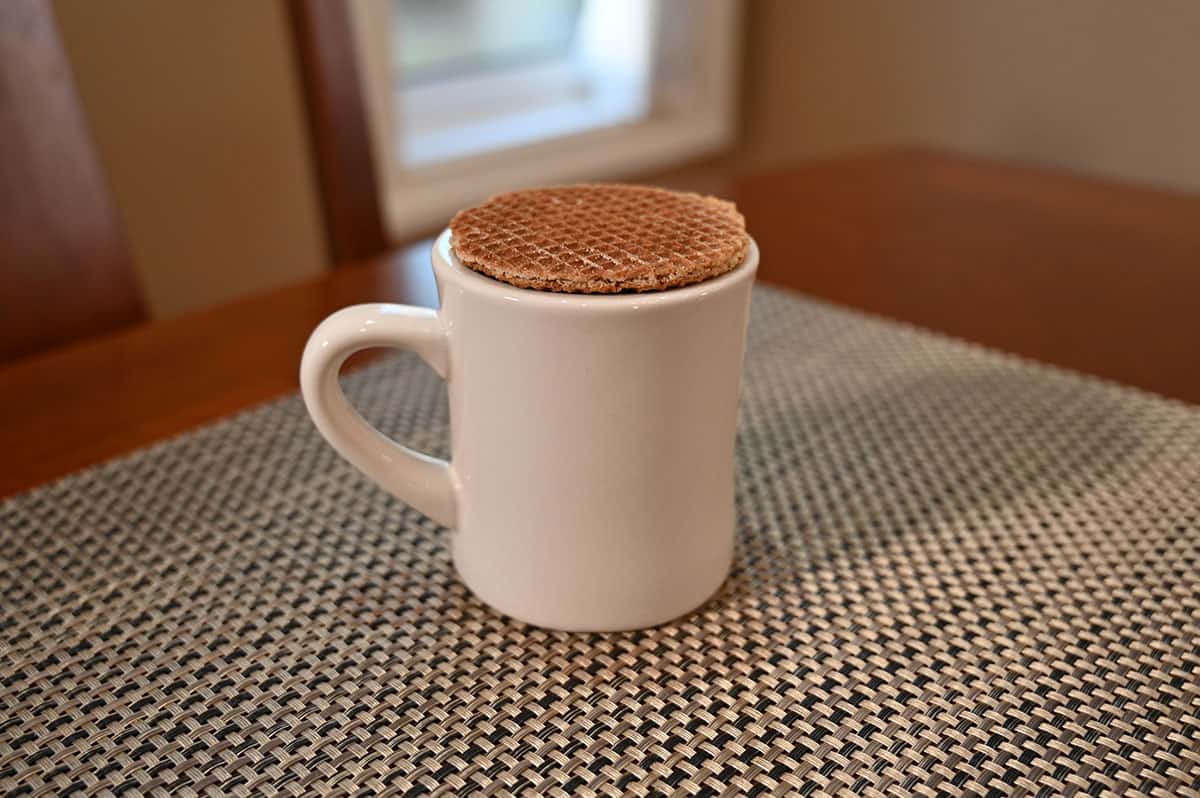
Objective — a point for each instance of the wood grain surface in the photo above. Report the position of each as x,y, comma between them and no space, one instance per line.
1092,275
1083,273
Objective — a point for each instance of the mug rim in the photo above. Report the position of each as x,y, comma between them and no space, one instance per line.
446,263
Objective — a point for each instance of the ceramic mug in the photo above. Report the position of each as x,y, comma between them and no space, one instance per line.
590,483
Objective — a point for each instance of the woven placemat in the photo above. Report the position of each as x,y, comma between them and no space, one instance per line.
958,573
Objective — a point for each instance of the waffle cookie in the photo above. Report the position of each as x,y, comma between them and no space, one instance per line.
600,238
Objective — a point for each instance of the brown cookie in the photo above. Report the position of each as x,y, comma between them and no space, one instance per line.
600,238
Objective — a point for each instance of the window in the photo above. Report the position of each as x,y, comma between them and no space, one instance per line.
471,97
473,76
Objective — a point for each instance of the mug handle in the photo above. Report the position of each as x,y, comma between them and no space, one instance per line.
424,482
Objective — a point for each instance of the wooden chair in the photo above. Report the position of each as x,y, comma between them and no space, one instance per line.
65,271
338,129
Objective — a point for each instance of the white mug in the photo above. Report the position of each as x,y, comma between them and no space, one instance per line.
590,483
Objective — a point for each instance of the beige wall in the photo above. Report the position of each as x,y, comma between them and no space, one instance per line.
1096,85
196,112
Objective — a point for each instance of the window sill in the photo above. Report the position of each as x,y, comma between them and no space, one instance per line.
419,201
465,118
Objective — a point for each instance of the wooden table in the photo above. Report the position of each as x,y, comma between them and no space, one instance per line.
1092,275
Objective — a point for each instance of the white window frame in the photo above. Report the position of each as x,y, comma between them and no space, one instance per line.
419,199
